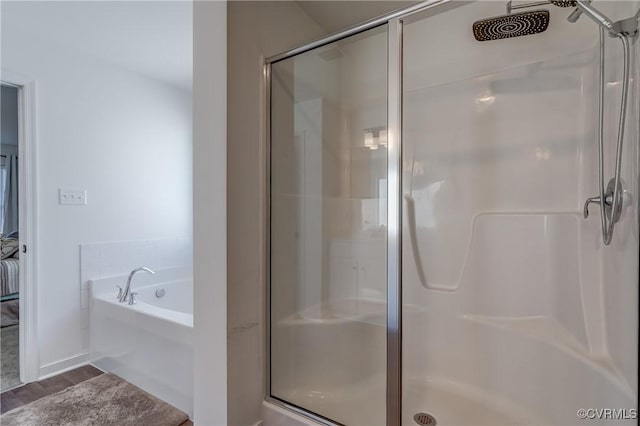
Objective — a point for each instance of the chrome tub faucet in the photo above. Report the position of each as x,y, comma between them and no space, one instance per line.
124,294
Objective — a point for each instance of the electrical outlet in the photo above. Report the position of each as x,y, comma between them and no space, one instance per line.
74,197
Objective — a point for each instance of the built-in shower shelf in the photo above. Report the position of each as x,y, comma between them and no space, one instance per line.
554,333
339,311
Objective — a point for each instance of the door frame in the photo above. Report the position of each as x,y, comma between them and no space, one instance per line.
27,217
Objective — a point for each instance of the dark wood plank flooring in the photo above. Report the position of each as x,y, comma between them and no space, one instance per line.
30,392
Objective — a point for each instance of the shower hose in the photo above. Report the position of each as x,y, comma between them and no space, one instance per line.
614,200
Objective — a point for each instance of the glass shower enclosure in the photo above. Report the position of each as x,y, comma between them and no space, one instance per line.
329,142
428,256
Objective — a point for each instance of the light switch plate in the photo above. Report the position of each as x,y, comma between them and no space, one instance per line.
74,197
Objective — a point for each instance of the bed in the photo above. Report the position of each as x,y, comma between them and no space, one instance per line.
9,282
9,266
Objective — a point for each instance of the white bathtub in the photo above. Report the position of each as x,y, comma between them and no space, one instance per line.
150,344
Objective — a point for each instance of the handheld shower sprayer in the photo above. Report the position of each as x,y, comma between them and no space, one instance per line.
584,7
537,21
574,16
525,23
628,27
611,199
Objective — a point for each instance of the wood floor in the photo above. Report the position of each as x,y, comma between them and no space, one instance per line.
30,392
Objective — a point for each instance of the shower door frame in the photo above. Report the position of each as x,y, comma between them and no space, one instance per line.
394,20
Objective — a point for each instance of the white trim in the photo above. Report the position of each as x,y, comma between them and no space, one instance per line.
27,212
66,364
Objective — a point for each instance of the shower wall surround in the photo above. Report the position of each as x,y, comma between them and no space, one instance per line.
501,145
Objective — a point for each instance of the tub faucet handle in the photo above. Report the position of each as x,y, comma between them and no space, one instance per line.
132,298
119,292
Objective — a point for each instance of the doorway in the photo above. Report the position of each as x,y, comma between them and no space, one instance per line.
10,241
17,230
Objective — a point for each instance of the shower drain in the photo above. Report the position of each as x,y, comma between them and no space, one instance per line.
424,419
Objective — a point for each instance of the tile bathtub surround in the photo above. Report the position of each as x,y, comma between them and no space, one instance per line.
102,260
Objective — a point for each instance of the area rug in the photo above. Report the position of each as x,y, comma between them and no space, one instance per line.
9,361
9,312
106,400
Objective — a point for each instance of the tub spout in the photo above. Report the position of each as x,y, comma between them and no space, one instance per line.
127,289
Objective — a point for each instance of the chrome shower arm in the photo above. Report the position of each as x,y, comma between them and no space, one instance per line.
511,7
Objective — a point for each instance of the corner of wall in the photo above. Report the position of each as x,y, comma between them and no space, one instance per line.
209,195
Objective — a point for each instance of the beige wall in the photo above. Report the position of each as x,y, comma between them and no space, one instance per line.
255,30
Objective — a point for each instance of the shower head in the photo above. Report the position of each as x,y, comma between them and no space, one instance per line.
512,25
563,3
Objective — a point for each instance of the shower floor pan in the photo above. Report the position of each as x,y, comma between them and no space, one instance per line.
448,403
461,370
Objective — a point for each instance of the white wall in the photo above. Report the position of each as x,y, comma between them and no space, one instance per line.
210,236
123,137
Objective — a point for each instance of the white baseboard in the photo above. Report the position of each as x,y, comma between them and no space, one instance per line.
63,365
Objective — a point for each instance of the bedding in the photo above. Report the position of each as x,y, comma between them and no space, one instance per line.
9,247
9,283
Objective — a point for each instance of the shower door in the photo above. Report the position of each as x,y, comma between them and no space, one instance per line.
328,237
514,311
